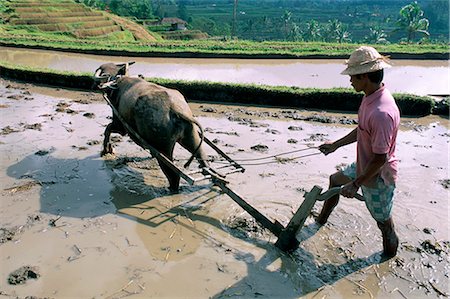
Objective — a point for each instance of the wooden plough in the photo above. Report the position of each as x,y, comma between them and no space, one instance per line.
287,240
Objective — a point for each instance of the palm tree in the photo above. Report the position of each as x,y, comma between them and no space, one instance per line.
249,24
411,21
287,15
295,33
312,31
376,36
233,28
336,32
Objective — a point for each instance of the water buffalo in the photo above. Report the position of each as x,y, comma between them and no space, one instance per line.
161,116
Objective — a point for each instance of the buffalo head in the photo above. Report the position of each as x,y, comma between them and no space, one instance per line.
106,75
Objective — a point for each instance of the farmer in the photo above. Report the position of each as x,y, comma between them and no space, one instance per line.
375,170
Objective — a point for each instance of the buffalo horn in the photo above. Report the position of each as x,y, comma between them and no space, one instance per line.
97,75
110,84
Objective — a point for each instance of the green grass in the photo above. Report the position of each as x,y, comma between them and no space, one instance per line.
20,37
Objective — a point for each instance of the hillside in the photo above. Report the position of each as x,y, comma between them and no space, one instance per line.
67,18
290,19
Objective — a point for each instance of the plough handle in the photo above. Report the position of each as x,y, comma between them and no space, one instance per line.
334,191
287,240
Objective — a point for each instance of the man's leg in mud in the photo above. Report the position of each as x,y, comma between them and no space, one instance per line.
336,180
390,238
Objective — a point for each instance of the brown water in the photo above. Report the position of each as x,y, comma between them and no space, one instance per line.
407,76
121,233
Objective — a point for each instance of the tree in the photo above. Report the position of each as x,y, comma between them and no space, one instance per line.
206,25
312,31
158,9
411,21
182,11
376,36
233,27
287,15
336,32
295,33
140,9
249,24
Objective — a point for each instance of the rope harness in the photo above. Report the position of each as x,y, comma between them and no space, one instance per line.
275,158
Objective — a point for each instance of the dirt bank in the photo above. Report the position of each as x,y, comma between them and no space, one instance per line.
73,224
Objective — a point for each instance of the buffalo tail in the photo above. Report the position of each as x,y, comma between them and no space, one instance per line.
199,145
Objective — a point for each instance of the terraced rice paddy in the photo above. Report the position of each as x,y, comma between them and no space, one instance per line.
66,17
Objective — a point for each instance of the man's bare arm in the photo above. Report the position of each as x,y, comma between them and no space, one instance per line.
328,148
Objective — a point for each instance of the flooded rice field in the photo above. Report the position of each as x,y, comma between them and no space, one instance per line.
421,77
76,225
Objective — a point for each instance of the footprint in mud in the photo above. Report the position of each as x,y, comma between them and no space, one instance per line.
8,130
295,128
44,152
80,148
244,227
317,137
89,115
260,148
7,234
208,109
21,275
93,142
63,107
445,183
36,126
273,131
15,97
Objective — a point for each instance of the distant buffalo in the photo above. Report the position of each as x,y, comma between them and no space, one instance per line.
159,115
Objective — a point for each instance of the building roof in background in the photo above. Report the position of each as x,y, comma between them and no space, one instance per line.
173,21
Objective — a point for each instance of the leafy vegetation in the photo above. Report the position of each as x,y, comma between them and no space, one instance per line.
326,36
411,20
380,21
290,19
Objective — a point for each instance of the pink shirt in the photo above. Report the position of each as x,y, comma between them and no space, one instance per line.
379,120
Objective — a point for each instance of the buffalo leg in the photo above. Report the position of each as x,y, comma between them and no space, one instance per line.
114,127
172,176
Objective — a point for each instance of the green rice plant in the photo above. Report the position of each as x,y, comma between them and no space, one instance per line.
414,105
442,107
121,36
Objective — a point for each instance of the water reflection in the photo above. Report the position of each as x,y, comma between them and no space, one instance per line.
407,76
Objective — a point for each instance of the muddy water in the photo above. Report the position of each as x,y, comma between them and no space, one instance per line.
407,76
108,227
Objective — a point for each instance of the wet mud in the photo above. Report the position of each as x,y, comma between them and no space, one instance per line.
74,224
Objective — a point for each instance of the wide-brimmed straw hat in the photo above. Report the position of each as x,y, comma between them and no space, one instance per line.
365,60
